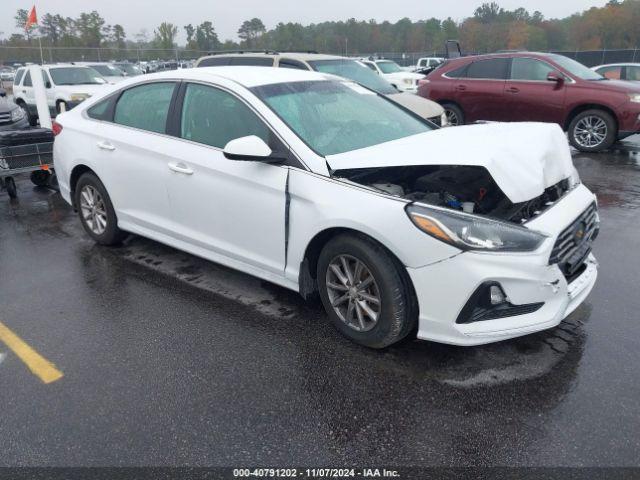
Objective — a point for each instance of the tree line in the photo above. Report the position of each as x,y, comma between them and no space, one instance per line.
490,28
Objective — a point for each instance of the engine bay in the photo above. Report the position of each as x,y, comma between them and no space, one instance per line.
465,188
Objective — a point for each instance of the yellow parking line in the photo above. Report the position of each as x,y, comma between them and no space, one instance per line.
39,366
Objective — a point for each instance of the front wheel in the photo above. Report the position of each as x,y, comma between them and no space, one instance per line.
365,292
455,116
96,211
33,119
593,131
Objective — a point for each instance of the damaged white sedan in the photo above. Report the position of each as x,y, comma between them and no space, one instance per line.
464,236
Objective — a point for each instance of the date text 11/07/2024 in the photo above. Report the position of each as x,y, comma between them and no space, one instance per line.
315,473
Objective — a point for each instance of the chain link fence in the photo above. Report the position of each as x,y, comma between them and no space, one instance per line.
10,55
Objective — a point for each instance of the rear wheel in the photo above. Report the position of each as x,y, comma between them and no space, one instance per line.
365,291
455,116
96,211
593,131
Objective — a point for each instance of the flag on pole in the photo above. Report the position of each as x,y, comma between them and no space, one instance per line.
32,19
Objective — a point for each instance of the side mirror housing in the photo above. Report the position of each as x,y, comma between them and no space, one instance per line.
250,148
556,77
47,85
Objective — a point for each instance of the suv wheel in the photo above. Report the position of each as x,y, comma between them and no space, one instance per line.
96,211
365,291
593,131
455,116
33,119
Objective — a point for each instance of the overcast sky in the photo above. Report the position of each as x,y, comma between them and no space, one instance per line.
227,15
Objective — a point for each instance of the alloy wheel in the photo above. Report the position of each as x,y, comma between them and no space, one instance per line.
353,293
93,209
590,131
452,118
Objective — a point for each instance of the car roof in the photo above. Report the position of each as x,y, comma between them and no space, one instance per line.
619,64
523,53
247,76
304,56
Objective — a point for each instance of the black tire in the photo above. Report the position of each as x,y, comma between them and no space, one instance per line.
59,108
581,143
111,235
398,308
40,178
33,119
10,185
453,112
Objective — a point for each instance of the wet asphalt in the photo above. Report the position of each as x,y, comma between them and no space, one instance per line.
172,360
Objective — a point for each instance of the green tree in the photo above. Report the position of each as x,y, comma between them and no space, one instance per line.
250,31
165,35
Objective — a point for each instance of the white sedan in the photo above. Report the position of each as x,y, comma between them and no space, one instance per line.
324,187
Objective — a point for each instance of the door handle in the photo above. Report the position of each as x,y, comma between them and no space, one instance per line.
105,146
461,87
180,168
513,90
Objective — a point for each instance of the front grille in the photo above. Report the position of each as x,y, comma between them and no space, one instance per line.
574,243
5,117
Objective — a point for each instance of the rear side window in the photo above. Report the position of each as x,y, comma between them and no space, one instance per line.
145,107
612,73
494,69
214,62
214,117
101,111
19,75
530,69
633,73
288,63
27,80
458,72
252,61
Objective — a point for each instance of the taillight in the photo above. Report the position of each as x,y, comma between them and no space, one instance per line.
56,128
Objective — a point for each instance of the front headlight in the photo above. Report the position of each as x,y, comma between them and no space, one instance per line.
634,97
471,232
79,97
17,114
408,81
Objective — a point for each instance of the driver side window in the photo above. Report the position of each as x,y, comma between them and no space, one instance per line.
214,117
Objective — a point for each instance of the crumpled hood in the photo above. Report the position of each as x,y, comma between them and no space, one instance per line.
523,158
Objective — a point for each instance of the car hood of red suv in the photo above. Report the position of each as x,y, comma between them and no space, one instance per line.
522,158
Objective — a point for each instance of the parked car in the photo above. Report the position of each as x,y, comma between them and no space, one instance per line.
108,71
426,65
7,74
393,73
332,65
619,71
539,87
67,85
319,185
12,117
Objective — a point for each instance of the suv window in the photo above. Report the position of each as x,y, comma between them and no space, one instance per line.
493,68
19,75
530,69
214,62
458,72
289,63
633,73
145,106
27,79
612,73
214,117
252,61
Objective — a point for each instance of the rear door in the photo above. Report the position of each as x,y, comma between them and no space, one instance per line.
481,92
132,152
530,96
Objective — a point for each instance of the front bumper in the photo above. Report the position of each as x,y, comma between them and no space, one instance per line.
444,288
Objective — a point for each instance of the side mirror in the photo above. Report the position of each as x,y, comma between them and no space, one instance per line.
250,148
3,93
556,77
47,85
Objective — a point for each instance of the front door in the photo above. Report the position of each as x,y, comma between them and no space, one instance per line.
530,96
231,210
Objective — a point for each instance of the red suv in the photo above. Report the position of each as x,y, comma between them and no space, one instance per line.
538,87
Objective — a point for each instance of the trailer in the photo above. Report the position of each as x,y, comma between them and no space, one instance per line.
25,151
